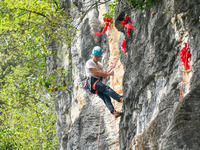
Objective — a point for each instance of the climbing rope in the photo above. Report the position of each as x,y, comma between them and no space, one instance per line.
108,70
114,115
102,101
113,65
100,124
108,21
182,86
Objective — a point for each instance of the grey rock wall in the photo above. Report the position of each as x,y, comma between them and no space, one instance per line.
154,118
78,111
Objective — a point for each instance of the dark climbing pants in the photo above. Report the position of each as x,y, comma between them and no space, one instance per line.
105,92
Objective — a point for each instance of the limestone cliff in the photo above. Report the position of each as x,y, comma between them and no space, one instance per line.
149,76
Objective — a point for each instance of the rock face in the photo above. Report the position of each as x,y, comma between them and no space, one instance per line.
154,118
79,111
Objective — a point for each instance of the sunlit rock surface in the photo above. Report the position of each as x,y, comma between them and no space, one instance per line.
149,76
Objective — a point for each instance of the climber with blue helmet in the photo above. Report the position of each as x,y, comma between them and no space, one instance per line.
95,73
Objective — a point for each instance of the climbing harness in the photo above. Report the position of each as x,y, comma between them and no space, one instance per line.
90,83
185,56
93,86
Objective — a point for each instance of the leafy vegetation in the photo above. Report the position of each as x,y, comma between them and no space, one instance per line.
138,4
30,32
111,9
141,4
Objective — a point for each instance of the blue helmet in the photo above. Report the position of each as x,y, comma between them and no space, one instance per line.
97,51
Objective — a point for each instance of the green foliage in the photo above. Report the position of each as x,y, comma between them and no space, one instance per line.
141,4
138,4
27,31
111,9
164,11
31,127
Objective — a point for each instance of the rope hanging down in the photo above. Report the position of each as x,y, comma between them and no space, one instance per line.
114,116
102,101
108,70
129,26
100,124
113,65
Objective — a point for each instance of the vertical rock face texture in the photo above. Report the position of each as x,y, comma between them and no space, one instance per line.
79,111
154,118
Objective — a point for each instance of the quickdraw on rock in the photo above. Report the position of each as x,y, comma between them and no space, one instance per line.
107,21
125,21
120,127
185,56
123,45
127,24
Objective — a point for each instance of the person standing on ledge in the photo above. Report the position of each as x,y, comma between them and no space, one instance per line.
95,73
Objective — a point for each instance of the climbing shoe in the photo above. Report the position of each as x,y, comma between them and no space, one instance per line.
121,99
117,114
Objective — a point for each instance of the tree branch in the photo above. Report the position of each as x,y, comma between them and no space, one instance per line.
90,8
57,7
38,13
85,13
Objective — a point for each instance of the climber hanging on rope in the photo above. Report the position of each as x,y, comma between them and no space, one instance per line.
95,73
